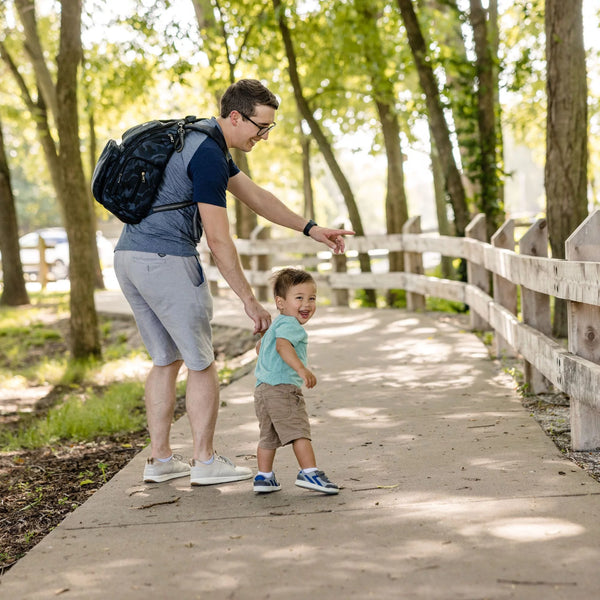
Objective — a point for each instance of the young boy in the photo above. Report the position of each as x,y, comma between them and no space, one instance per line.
280,372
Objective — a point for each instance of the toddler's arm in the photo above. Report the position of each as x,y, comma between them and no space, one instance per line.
289,356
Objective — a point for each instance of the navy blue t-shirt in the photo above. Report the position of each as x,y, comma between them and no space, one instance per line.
199,173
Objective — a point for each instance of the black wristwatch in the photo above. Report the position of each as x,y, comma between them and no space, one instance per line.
308,227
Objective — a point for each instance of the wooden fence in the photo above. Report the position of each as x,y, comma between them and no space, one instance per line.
574,369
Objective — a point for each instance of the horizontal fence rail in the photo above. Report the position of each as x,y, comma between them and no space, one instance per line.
495,265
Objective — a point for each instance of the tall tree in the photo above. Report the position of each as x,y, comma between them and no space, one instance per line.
490,204
441,205
14,292
443,21
308,210
396,207
64,159
566,131
439,126
322,141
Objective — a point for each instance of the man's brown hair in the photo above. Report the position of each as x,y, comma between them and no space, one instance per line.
244,95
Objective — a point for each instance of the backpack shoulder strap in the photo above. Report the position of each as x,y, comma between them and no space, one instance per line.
211,131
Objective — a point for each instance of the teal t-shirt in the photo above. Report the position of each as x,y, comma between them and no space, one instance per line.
270,367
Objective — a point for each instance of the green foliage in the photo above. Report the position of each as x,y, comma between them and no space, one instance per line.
145,60
84,416
443,305
25,339
398,298
361,300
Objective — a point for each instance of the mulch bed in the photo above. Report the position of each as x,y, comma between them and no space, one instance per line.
39,488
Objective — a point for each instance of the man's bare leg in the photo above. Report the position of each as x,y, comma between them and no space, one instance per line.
202,403
160,406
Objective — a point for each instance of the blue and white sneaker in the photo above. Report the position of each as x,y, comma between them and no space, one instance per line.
265,485
317,481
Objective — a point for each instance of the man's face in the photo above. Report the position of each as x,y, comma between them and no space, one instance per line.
263,117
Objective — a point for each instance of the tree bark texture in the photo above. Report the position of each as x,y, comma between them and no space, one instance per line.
459,89
566,131
64,160
439,125
85,339
441,207
486,117
14,292
307,187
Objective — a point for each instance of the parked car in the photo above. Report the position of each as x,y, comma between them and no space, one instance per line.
57,252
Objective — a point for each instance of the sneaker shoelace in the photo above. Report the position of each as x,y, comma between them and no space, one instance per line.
324,479
224,459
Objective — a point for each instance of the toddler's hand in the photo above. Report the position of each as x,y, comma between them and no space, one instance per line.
308,377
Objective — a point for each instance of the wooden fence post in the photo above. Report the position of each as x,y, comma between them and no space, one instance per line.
535,307
261,262
339,297
43,266
584,333
477,275
505,292
413,263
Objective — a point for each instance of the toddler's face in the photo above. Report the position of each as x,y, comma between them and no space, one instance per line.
300,302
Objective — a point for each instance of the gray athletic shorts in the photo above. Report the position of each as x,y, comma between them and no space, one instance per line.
172,306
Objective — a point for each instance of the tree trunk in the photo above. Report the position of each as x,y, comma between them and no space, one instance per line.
441,209
486,117
439,126
396,206
308,210
245,219
494,40
323,143
14,292
99,283
85,339
33,47
65,165
459,76
566,131
396,209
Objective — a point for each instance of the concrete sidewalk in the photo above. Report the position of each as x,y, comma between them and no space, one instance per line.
450,491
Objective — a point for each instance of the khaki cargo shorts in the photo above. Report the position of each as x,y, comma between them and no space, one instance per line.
281,413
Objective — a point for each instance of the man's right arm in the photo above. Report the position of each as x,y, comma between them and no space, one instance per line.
216,229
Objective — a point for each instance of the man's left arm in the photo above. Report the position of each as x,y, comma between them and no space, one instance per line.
267,205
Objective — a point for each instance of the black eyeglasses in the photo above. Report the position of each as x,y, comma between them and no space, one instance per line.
262,129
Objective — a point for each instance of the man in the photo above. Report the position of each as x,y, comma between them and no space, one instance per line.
156,262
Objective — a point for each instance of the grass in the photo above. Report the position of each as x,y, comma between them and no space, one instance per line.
83,416
98,400
92,398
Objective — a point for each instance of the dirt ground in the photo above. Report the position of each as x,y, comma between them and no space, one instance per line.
39,488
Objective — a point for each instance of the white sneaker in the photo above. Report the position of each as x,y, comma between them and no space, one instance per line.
156,471
221,470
